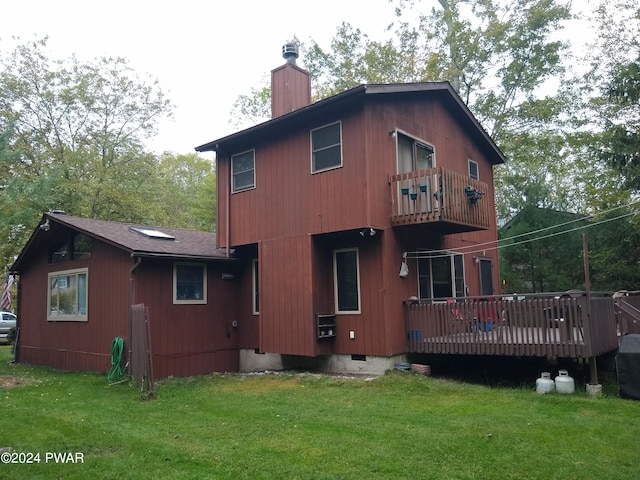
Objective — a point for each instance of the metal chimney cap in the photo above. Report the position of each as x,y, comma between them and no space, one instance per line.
290,52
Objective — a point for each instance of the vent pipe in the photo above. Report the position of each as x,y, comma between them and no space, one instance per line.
290,52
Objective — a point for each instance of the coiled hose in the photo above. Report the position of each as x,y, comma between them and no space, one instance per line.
117,347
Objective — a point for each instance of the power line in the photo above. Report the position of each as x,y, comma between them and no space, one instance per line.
494,243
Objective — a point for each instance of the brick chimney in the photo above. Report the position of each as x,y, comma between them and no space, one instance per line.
290,84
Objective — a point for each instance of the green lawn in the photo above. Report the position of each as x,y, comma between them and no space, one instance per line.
304,426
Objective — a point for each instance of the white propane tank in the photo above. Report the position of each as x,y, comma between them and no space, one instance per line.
564,383
544,384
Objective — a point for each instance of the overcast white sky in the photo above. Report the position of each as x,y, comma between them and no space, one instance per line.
204,53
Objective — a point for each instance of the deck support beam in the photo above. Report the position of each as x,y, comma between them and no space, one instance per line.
593,371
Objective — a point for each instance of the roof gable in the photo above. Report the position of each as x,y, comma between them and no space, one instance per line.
357,95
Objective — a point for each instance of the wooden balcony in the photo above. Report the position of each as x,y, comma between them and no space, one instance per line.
527,325
450,200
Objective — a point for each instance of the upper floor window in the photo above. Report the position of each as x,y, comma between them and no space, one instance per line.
326,147
473,169
414,155
346,271
189,283
243,172
74,246
67,295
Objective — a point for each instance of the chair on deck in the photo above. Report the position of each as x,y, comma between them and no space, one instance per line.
458,323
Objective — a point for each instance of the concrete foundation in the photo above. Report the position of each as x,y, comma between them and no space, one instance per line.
250,361
594,390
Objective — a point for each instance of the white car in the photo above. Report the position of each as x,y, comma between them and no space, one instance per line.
7,322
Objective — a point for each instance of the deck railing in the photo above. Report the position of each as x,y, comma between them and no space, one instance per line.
439,195
627,307
520,325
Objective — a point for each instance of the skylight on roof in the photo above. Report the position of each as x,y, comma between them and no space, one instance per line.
151,233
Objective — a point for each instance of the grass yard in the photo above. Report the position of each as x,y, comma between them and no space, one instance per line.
305,426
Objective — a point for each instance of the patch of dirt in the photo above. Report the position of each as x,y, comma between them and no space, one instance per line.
12,381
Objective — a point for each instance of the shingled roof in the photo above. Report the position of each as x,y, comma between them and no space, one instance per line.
137,239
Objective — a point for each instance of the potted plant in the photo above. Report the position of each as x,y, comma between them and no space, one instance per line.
473,194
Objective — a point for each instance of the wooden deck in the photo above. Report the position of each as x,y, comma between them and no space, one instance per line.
576,326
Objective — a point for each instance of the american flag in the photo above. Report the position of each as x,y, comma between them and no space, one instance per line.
6,293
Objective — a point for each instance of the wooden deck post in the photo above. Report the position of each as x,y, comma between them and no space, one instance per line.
593,371
593,367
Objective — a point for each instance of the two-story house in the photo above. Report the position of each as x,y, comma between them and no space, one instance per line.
331,216
327,201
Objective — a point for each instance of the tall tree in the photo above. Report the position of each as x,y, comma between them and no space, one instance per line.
618,74
541,251
76,140
611,142
187,191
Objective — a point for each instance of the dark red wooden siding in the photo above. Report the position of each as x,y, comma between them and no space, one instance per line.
286,307
292,213
186,339
288,200
189,339
290,89
80,346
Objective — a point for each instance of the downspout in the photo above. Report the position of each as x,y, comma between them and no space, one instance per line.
16,358
228,211
138,261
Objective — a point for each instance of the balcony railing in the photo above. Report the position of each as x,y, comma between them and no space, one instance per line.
438,195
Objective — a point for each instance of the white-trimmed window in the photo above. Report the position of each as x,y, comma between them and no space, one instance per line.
414,155
326,147
255,287
473,169
67,295
189,283
243,173
346,280
440,275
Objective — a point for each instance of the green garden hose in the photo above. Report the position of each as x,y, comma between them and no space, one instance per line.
117,347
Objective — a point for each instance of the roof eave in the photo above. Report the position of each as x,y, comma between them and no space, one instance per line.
180,256
361,90
214,145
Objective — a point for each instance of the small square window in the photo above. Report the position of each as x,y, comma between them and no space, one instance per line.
189,283
326,147
473,169
243,171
